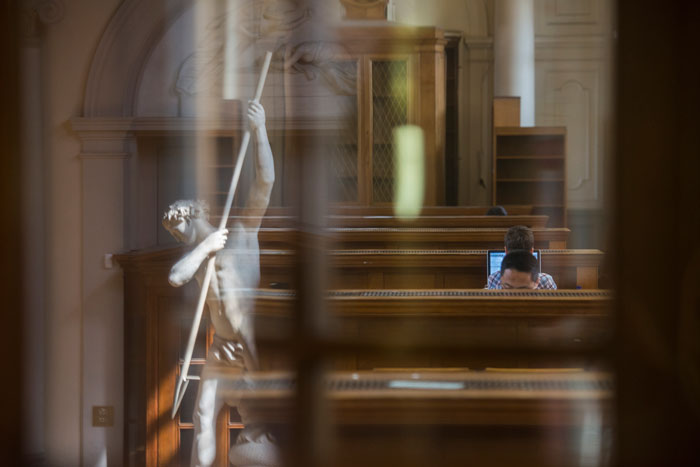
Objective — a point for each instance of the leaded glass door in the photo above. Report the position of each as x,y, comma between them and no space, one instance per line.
361,158
344,151
389,109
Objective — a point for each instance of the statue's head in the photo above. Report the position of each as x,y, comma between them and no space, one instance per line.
181,216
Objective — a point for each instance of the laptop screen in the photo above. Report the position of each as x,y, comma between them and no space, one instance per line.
495,257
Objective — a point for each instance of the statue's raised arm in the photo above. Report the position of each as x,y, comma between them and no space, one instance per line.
261,188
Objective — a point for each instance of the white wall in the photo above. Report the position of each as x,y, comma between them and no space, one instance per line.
68,47
573,76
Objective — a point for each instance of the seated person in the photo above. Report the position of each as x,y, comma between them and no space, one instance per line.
519,271
497,211
520,237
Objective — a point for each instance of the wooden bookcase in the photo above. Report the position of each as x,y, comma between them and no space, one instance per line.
529,167
400,73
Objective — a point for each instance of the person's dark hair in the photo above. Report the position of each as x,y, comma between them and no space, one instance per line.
519,237
497,211
521,260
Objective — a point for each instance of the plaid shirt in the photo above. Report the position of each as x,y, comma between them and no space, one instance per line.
544,281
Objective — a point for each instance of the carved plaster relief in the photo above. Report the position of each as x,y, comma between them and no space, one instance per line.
271,22
319,58
191,58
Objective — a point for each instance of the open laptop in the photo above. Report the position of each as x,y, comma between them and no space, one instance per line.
495,257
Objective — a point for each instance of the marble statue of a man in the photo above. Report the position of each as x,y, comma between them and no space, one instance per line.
237,272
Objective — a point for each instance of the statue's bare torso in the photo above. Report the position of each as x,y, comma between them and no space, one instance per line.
237,274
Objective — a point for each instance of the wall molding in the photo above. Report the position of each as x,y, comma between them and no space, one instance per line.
87,126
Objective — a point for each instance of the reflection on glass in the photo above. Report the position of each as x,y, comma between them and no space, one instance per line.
410,171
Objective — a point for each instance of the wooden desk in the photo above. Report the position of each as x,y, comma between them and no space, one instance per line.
433,221
395,269
407,238
447,419
451,317
479,398
512,210
347,210
439,269
407,303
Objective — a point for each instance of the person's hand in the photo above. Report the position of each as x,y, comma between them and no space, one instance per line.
216,241
256,115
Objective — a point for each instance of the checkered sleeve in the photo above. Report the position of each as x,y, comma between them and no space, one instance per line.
494,281
546,281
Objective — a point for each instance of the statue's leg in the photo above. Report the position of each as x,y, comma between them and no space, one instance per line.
255,445
206,410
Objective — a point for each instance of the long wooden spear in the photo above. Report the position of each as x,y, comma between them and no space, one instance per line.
184,379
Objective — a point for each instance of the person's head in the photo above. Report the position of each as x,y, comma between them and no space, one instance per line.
497,211
519,270
519,237
180,217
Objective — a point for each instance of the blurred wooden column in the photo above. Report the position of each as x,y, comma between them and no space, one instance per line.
658,165
10,235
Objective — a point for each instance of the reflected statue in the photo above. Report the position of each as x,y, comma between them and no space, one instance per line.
254,21
313,58
230,303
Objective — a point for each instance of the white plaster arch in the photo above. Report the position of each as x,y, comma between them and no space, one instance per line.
131,34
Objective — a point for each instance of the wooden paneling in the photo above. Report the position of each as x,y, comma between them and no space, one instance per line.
515,209
367,269
486,422
451,269
469,398
449,317
423,221
359,211
424,238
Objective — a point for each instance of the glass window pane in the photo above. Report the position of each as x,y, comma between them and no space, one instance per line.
389,110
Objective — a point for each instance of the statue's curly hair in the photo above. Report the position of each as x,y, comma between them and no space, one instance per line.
185,209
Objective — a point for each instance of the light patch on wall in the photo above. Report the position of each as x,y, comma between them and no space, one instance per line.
409,160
